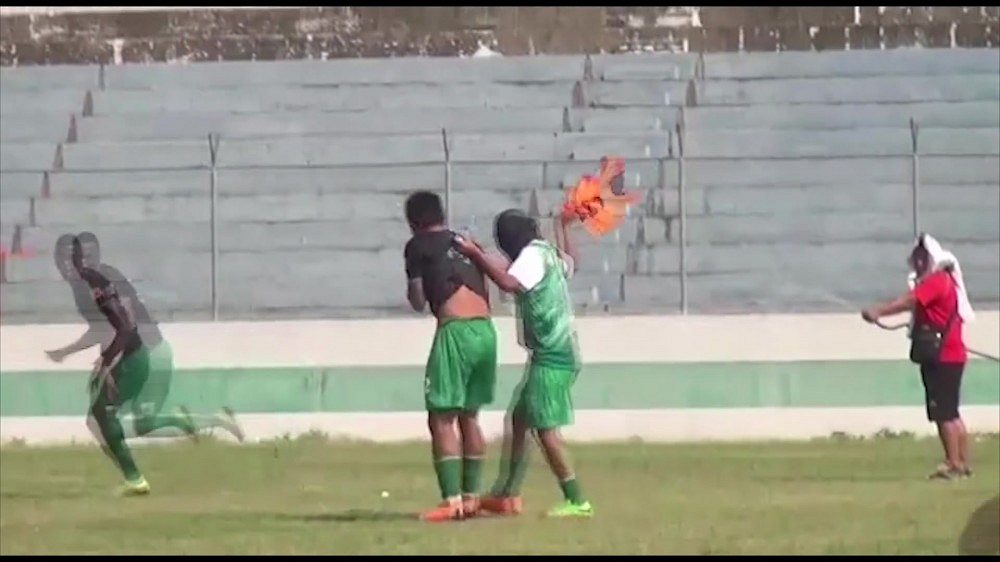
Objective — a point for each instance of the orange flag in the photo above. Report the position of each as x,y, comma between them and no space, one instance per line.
600,202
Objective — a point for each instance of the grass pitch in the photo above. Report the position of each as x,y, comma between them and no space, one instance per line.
314,496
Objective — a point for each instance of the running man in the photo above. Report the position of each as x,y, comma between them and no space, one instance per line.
460,376
134,369
538,276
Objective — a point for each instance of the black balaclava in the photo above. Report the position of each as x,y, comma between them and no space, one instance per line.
513,231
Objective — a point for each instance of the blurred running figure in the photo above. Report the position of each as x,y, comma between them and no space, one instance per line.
461,370
940,307
134,369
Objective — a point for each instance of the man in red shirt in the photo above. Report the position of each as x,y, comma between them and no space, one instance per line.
935,302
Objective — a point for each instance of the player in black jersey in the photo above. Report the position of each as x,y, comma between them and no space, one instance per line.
134,369
461,370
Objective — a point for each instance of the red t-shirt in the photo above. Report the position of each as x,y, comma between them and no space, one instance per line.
937,300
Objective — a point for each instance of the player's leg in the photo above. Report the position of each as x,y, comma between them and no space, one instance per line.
549,407
149,421
479,369
950,381
104,412
444,396
956,372
505,495
145,383
942,409
473,452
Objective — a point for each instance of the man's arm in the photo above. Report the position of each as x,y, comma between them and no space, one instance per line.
415,294
901,304
565,244
89,339
414,282
492,268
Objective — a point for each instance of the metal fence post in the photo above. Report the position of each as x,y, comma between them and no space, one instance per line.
213,147
915,177
682,210
447,176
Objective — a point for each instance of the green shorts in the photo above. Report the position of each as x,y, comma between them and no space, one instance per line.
545,397
461,371
143,379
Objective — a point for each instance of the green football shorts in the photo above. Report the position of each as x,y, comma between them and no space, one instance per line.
461,371
546,401
143,379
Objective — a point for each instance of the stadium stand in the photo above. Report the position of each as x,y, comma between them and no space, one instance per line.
797,173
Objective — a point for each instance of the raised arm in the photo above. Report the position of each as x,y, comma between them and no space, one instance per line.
564,243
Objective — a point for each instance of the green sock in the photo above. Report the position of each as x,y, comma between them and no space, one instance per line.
115,437
472,469
571,490
449,475
518,469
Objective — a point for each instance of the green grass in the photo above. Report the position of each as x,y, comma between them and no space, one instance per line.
315,496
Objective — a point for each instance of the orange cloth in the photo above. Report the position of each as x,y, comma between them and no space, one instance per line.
594,202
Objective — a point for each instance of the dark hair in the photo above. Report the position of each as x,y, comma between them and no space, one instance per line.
88,238
424,210
921,254
514,230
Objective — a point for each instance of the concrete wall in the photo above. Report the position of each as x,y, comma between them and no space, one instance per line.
656,378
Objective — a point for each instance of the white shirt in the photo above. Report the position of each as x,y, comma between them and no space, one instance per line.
529,267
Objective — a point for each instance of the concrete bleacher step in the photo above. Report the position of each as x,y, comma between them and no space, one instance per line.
250,181
882,89
250,236
658,66
28,79
645,93
197,125
335,98
53,300
836,227
15,185
158,76
233,206
855,63
972,114
135,155
785,200
933,170
602,120
27,156
15,211
389,150
35,127
761,143
44,101
793,258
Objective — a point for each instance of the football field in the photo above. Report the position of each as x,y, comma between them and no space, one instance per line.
314,496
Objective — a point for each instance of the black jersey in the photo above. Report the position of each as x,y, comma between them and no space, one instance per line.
149,330
126,340
431,257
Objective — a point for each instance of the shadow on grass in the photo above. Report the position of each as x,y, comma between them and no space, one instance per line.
349,516
982,533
